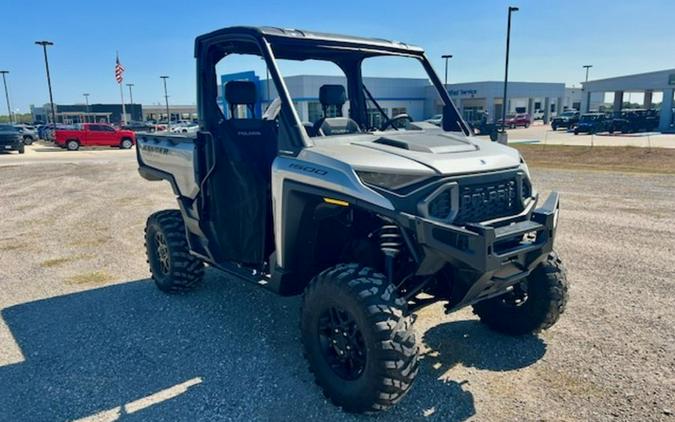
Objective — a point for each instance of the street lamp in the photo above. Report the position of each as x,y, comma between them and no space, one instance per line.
131,95
86,101
9,107
446,57
131,99
587,66
166,99
506,67
44,45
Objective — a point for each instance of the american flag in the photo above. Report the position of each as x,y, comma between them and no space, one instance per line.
119,70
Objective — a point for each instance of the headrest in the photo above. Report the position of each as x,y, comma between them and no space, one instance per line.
332,95
240,92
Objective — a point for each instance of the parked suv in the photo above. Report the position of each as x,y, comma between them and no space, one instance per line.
567,120
635,120
516,120
593,123
28,133
10,139
370,224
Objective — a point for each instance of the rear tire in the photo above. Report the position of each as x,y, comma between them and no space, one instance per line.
172,267
27,140
72,145
369,363
545,298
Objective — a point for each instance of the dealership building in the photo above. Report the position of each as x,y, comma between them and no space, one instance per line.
416,97
654,90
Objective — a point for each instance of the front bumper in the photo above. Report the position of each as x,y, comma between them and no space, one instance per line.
499,256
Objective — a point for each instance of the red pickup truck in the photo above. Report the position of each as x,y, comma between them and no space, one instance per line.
94,134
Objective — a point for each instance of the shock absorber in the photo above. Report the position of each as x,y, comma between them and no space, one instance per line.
390,245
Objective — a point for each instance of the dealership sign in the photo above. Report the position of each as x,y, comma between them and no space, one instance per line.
462,92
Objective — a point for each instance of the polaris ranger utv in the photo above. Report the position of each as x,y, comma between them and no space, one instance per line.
370,219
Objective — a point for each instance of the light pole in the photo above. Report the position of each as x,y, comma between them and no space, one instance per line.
166,99
86,101
44,45
587,66
506,67
131,99
446,57
131,95
9,107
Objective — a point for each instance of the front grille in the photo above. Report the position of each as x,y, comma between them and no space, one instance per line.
485,201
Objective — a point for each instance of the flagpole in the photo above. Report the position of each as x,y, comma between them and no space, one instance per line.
119,82
124,110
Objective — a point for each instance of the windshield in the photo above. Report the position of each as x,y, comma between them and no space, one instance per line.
589,117
567,114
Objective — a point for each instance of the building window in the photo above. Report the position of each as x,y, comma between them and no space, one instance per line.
395,111
375,119
314,112
576,106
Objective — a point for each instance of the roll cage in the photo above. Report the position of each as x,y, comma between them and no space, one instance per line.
270,43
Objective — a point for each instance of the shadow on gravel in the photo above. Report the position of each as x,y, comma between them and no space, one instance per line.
226,351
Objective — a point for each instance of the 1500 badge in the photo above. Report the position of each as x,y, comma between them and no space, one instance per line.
308,169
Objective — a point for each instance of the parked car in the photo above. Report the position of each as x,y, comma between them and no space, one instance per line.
28,133
435,120
94,134
10,139
593,123
139,127
567,119
515,120
635,120
185,128
538,114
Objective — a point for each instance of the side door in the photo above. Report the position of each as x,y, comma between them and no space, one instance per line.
93,135
109,136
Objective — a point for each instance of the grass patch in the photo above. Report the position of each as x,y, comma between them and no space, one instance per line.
55,262
12,247
96,277
620,159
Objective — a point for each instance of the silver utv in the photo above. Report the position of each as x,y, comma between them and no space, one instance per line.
371,222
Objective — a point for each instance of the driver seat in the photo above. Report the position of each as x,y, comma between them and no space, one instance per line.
334,95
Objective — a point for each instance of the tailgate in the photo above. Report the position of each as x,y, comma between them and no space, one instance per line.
168,157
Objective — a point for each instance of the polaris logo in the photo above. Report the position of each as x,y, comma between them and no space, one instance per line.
308,169
249,133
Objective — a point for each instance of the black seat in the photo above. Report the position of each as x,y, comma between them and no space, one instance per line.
334,95
255,139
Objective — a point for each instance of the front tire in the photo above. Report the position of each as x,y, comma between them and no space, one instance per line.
21,149
359,344
126,143
27,140
172,267
533,306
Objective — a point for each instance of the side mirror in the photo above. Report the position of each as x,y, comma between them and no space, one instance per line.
451,119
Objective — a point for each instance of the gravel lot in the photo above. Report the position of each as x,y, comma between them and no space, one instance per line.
84,333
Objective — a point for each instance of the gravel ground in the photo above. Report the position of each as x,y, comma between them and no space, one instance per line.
84,333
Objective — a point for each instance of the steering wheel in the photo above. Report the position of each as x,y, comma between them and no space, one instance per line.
400,121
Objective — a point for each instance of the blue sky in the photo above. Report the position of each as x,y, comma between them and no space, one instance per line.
550,39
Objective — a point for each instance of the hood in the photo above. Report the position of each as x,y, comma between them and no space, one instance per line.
429,151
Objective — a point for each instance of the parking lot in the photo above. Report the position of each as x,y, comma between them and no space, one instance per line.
84,333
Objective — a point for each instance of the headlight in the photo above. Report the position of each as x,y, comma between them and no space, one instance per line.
389,181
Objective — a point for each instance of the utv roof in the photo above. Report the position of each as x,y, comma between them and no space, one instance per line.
281,36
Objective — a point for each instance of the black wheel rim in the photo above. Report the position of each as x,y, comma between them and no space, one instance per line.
163,256
516,297
342,343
